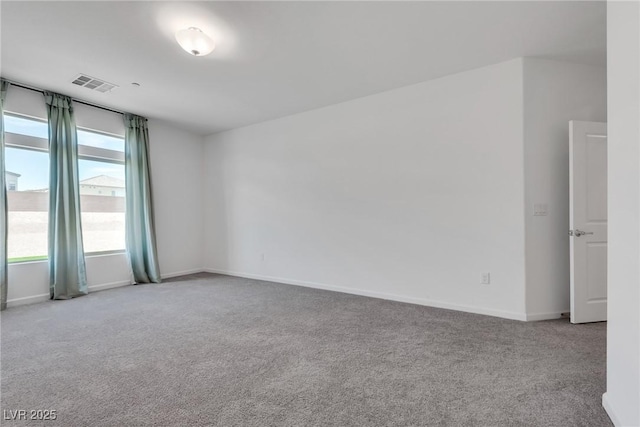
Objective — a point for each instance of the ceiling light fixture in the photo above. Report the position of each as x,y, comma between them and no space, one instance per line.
194,41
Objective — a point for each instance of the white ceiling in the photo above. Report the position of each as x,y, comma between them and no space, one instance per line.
278,58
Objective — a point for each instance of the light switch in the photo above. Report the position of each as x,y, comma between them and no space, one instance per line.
540,209
485,278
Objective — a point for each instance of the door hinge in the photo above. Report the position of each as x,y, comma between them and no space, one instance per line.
570,232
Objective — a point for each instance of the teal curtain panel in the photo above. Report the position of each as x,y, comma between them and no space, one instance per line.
67,271
3,209
140,229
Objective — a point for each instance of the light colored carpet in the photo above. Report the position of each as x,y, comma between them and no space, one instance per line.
215,350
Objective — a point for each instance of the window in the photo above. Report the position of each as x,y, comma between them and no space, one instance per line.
101,170
101,174
27,175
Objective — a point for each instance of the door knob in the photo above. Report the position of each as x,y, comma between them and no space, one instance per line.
579,233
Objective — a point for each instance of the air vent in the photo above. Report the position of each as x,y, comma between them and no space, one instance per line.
93,83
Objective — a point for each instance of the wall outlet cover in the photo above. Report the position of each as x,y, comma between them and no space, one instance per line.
540,209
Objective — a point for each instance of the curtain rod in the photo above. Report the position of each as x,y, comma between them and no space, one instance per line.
73,99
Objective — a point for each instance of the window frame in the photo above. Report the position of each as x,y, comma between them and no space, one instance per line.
85,152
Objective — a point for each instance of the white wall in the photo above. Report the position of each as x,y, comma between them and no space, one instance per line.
555,92
622,399
409,194
177,169
417,163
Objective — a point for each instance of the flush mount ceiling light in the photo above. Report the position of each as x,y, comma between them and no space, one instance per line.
194,41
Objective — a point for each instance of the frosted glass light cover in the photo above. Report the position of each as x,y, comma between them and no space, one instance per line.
194,41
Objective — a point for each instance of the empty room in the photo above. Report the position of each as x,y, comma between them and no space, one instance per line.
320,213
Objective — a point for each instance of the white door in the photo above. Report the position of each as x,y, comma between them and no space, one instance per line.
588,221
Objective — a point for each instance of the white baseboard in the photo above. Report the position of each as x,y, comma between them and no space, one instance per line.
531,317
608,407
32,299
182,273
373,294
104,286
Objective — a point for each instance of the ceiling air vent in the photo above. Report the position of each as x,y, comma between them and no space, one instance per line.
93,83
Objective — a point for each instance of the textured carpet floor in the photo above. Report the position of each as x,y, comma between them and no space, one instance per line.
215,350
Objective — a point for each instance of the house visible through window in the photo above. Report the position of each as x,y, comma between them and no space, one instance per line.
27,176
101,169
101,173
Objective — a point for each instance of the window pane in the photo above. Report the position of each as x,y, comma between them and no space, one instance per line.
27,174
101,193
102,202
30,127
93,139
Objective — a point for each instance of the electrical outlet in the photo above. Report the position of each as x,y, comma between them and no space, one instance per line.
540,209
485,279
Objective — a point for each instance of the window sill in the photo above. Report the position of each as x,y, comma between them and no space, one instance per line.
27,260
37,260
104,253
